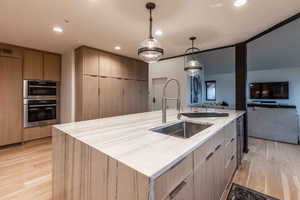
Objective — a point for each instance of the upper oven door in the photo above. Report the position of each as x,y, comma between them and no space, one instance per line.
40,89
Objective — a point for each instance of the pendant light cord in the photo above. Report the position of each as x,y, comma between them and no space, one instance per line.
150,26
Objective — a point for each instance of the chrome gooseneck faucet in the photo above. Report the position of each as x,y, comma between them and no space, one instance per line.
165,99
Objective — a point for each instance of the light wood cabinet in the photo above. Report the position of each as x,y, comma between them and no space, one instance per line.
111,97
90,97
52,67
36,133
142,103
10,100
130,69
142,71
41,66
130,96
201,175
116,66
91,62
33,65
119,89
105,63
10,51
184,191
169,182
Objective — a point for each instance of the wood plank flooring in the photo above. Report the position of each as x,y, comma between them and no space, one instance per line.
25,171
270,167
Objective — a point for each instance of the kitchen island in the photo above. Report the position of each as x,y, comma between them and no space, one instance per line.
120,158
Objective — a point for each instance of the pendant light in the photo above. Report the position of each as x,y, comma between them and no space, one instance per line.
192,65
150,50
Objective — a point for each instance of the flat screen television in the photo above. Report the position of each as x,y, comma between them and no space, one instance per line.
269,90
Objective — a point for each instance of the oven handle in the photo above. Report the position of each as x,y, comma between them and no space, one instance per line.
44,105
39,86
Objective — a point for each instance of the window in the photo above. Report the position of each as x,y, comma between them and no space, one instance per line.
195,88
210,90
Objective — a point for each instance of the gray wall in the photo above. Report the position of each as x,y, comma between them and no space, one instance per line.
219,65
276,57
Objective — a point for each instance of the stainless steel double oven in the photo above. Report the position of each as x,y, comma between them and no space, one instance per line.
41,105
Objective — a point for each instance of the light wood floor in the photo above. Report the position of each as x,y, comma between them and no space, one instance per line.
25,171
270,167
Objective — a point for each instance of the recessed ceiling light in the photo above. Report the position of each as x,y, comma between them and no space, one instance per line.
117,48
239,3
58,29
158,32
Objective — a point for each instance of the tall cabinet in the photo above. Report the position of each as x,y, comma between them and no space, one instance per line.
11,96
109,85
18,64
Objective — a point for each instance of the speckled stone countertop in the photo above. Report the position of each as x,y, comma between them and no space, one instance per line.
129,140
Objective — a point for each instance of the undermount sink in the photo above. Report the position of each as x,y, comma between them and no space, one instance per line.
205,114
183,129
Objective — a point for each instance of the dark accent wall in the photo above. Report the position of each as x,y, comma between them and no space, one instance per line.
240,85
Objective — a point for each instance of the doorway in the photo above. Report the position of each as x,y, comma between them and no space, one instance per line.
157,89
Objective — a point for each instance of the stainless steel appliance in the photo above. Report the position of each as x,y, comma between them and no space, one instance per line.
240,136
40,112
41,106
40,89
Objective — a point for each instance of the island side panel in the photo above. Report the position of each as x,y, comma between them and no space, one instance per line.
81,172
58,157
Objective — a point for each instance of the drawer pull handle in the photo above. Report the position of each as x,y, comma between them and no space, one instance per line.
232,157
232,139
218,147
177,190
209,155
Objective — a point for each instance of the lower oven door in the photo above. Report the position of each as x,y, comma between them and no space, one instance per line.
38,115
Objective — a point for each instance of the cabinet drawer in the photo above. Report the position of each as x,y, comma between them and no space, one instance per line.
230,148
230,131
202,152
183,191
213,144
36,133
168,182
232,165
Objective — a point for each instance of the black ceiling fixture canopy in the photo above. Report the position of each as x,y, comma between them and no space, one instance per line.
150,50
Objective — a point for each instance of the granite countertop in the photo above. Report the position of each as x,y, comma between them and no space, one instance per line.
128,138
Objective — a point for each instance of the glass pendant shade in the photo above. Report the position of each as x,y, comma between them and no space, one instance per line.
150,50
192,65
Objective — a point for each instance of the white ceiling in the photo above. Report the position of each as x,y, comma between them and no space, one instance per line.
106,23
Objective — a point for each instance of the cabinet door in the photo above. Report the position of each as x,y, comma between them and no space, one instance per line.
142,70
90,98
91,62
130,96
52,67
10,51
129,68
105,64
203,178
11,100
142,103
219,171
33,65
111,97
116,66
